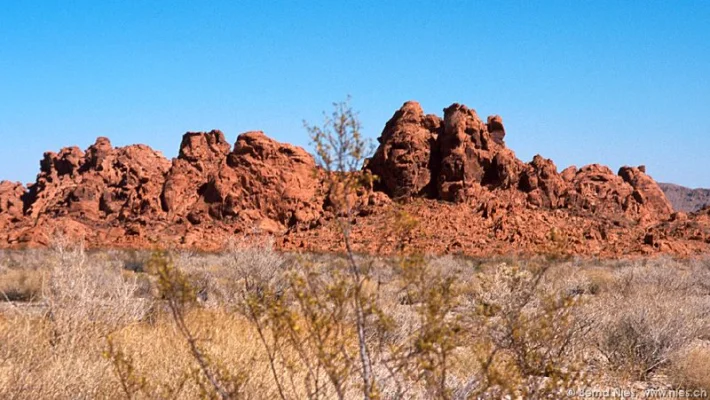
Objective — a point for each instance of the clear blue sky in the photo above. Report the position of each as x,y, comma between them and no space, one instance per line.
618,82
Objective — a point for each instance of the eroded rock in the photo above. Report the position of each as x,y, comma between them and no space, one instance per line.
405,160
469,192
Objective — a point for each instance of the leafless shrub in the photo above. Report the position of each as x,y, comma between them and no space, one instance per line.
80,294
530,333
256,267
653,312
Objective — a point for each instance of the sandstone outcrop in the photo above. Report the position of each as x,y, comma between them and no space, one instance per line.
545,187
11,207
403,161
200,156
467,153
260,182
103,183
11,204
455,175
102,187
647,194
275,180
468,161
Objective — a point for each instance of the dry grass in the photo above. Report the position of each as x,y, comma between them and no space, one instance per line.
20,284
691,367
98,326
653,311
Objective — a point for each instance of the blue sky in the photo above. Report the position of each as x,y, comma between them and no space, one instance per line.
619,82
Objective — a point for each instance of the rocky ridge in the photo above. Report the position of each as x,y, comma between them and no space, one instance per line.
686,199
455,175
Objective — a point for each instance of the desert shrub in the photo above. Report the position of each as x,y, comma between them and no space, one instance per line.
133,260
251,266
53,348
138,367
531,333
82,296
22,275
310,324
654,311
435,327
429,355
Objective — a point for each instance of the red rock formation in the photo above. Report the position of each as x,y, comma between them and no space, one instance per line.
471,194
267,182
199,159
496,129
261,183
471,158
595,189
11,204
545,187
104,184
468,163
647,194
407,147
11,208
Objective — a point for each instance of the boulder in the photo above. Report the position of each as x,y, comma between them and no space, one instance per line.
200,156
277,180
648,196
407,158
496,129
597,190
545,187
259,184
11,208
11,203
465,148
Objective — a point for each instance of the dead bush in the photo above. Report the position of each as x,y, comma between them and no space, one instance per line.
653,312
84,295
531,333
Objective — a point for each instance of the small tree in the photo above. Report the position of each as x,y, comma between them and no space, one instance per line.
340,151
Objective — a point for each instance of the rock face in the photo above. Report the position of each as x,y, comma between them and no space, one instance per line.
259,182
102,186
101,183
647,194
468,161
11,204
450,159
199,159
11,208
403,161
275,181
545,187
596,189
470,158
471,194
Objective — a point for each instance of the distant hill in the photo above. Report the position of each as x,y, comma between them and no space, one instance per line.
685,199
